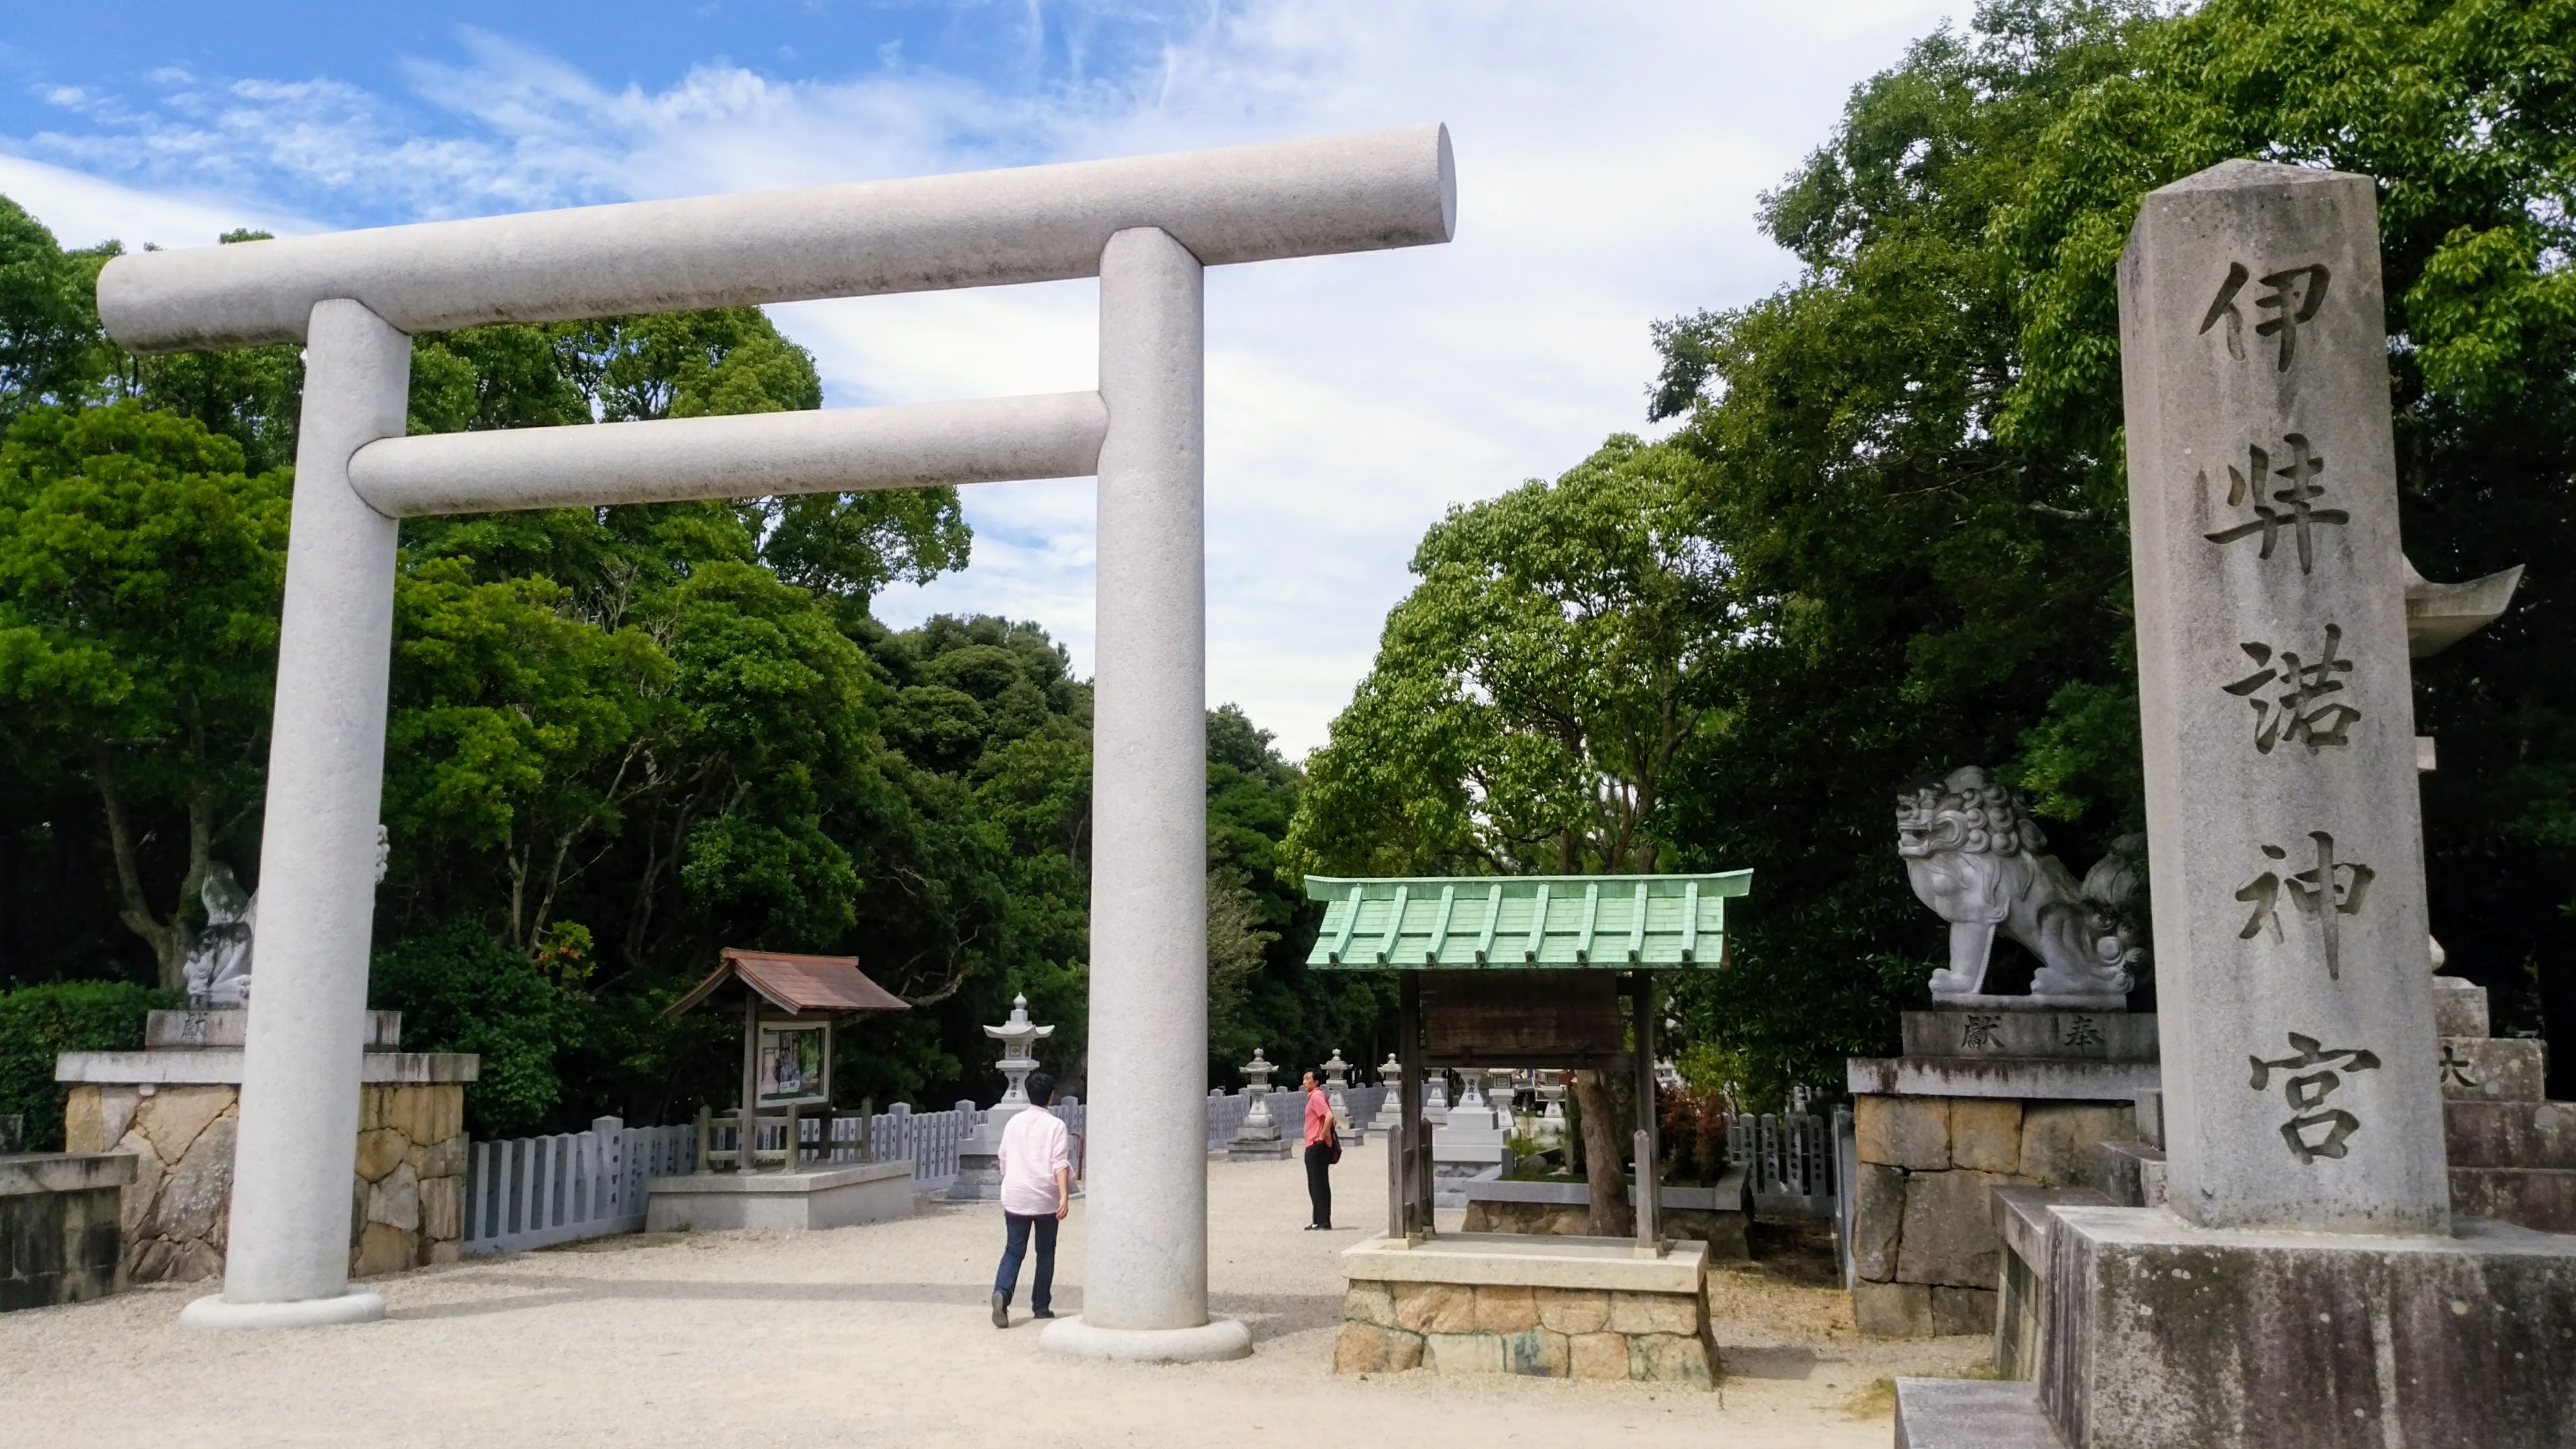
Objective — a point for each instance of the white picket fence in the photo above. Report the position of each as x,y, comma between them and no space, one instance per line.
534,1192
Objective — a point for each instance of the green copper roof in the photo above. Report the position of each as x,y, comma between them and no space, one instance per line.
1609,921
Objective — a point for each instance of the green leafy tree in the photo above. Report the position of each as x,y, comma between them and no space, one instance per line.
1536,693
140,571
1260,924
50,347
2465,111
1914,591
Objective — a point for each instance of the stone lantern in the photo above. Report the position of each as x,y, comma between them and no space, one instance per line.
1258,1138
1337,1075
1017,1036
979,1157
1551,1115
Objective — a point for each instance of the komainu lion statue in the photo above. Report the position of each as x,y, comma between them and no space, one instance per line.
1978,861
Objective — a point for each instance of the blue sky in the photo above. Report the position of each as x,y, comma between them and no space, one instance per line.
1610,158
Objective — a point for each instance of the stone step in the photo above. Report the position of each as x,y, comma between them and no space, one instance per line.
2540,1198
2510,1134
1971,1414
2494,1069
2096,1036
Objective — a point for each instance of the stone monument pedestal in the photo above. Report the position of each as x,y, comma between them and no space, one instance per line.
173,1106
1980,1100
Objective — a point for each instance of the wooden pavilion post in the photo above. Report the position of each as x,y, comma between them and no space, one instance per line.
1649,1194
750,1081
1414,1176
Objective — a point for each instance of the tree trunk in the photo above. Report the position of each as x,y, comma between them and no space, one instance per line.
169,940
1605,1151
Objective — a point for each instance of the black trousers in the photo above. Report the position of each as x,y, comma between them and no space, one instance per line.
1319,1182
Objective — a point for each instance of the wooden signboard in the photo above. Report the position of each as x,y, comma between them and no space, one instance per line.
1522,1019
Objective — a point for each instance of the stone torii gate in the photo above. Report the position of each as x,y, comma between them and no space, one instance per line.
1146,227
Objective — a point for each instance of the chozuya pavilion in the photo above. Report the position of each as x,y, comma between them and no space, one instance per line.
1525,971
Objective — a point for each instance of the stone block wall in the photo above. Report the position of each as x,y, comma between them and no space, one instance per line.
1584,1333
1924,1245
406,1199
408,1203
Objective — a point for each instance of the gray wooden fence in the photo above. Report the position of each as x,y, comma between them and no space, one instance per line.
1788,1163
534,1192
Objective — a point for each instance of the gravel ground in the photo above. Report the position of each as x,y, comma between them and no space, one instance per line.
880,1334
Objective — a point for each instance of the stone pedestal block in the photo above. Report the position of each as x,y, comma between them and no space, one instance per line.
836,1197
2459,1007
2494,1069
2115,1035
2161,1333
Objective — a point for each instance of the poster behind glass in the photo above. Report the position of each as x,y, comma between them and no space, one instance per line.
791,1063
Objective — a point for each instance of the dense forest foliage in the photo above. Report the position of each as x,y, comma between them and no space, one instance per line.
1889,537
619,739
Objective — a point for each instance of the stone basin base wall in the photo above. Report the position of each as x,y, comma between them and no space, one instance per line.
406,1199
1723,1232
1582,1333
1924,1247
59,1238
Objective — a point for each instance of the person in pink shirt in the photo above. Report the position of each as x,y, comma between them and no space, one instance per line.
1322,1151
1037,1191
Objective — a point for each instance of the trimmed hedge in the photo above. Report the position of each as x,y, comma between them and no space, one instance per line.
38,1022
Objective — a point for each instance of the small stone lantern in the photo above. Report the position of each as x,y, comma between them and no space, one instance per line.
1258,1138
979,1157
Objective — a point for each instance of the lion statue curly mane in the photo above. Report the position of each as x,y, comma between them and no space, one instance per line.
1978,860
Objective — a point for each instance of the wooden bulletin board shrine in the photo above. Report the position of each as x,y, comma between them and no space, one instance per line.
790,1005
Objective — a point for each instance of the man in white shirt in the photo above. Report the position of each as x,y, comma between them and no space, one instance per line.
1037,1191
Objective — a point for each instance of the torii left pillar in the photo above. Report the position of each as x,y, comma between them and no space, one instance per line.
286,1262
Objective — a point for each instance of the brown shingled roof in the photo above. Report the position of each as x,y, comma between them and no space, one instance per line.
801,984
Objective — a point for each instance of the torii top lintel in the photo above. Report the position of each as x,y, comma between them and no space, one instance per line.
1360,192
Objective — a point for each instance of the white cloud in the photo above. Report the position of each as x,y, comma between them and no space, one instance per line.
83,210
1609,156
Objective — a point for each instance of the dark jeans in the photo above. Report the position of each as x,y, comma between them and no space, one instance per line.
1016,1246
1319,1182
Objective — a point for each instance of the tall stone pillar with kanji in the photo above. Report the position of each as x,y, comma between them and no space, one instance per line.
2306,1287
2302,1086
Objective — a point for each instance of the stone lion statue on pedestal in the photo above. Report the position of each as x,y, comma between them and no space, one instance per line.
1977,859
